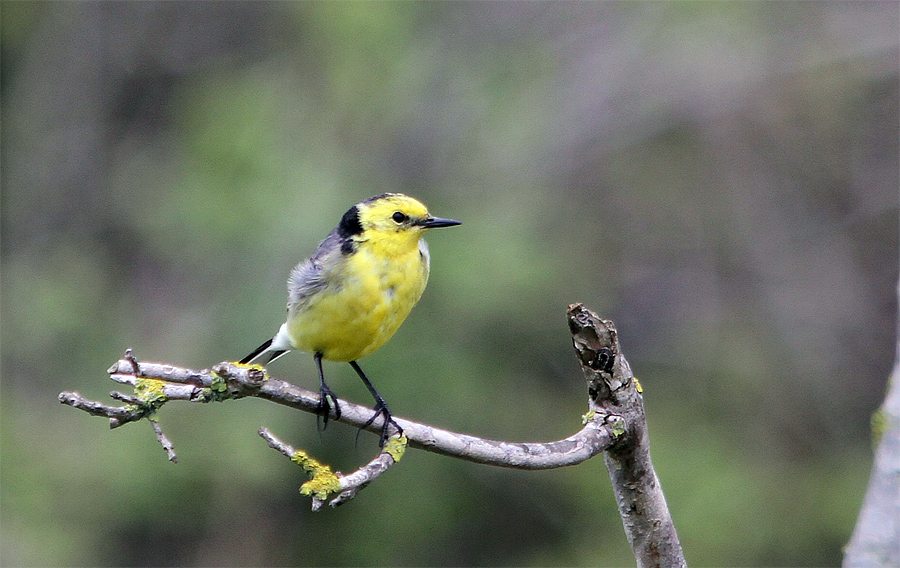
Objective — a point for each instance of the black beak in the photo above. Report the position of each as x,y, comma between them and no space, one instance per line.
435,222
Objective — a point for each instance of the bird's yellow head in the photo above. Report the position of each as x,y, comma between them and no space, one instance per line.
392,219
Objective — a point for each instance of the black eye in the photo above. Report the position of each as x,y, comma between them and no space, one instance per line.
399,217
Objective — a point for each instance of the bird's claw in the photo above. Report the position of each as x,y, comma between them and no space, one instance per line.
381,409
325,406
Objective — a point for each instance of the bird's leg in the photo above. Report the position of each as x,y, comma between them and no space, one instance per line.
381,408
324,394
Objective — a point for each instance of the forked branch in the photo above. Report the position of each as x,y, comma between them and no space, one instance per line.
615,424
158,383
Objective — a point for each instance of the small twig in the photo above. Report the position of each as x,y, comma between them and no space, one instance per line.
122,397
129,356
352,483
324,483
164,441
275,443
117,415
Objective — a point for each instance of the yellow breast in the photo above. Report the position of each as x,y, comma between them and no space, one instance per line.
367,298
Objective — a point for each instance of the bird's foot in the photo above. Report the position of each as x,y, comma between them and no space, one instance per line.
327,402
381,409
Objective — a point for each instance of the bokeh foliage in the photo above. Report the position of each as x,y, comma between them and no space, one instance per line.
718,177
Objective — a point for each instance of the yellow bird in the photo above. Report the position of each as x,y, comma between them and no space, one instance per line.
349,298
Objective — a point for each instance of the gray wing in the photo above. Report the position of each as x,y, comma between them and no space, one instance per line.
310,276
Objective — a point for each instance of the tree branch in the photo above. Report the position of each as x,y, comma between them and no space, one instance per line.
615,424
615,392
225,381
323,482
876,538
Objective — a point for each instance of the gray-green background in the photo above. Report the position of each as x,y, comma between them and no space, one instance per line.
718,178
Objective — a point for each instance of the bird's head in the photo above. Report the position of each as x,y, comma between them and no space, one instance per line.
390,217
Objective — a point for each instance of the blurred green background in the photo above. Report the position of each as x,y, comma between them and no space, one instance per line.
718,178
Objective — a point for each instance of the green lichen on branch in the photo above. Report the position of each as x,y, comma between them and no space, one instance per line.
322,481
880,424
219,389
618,425
396,447
150,393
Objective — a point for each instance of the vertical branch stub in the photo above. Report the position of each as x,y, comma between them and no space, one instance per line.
615,397
596,344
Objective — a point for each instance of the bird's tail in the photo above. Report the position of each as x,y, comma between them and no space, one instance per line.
262,349
256,352
275,348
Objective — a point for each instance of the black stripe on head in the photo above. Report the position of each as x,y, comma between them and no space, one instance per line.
350,224
379,196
